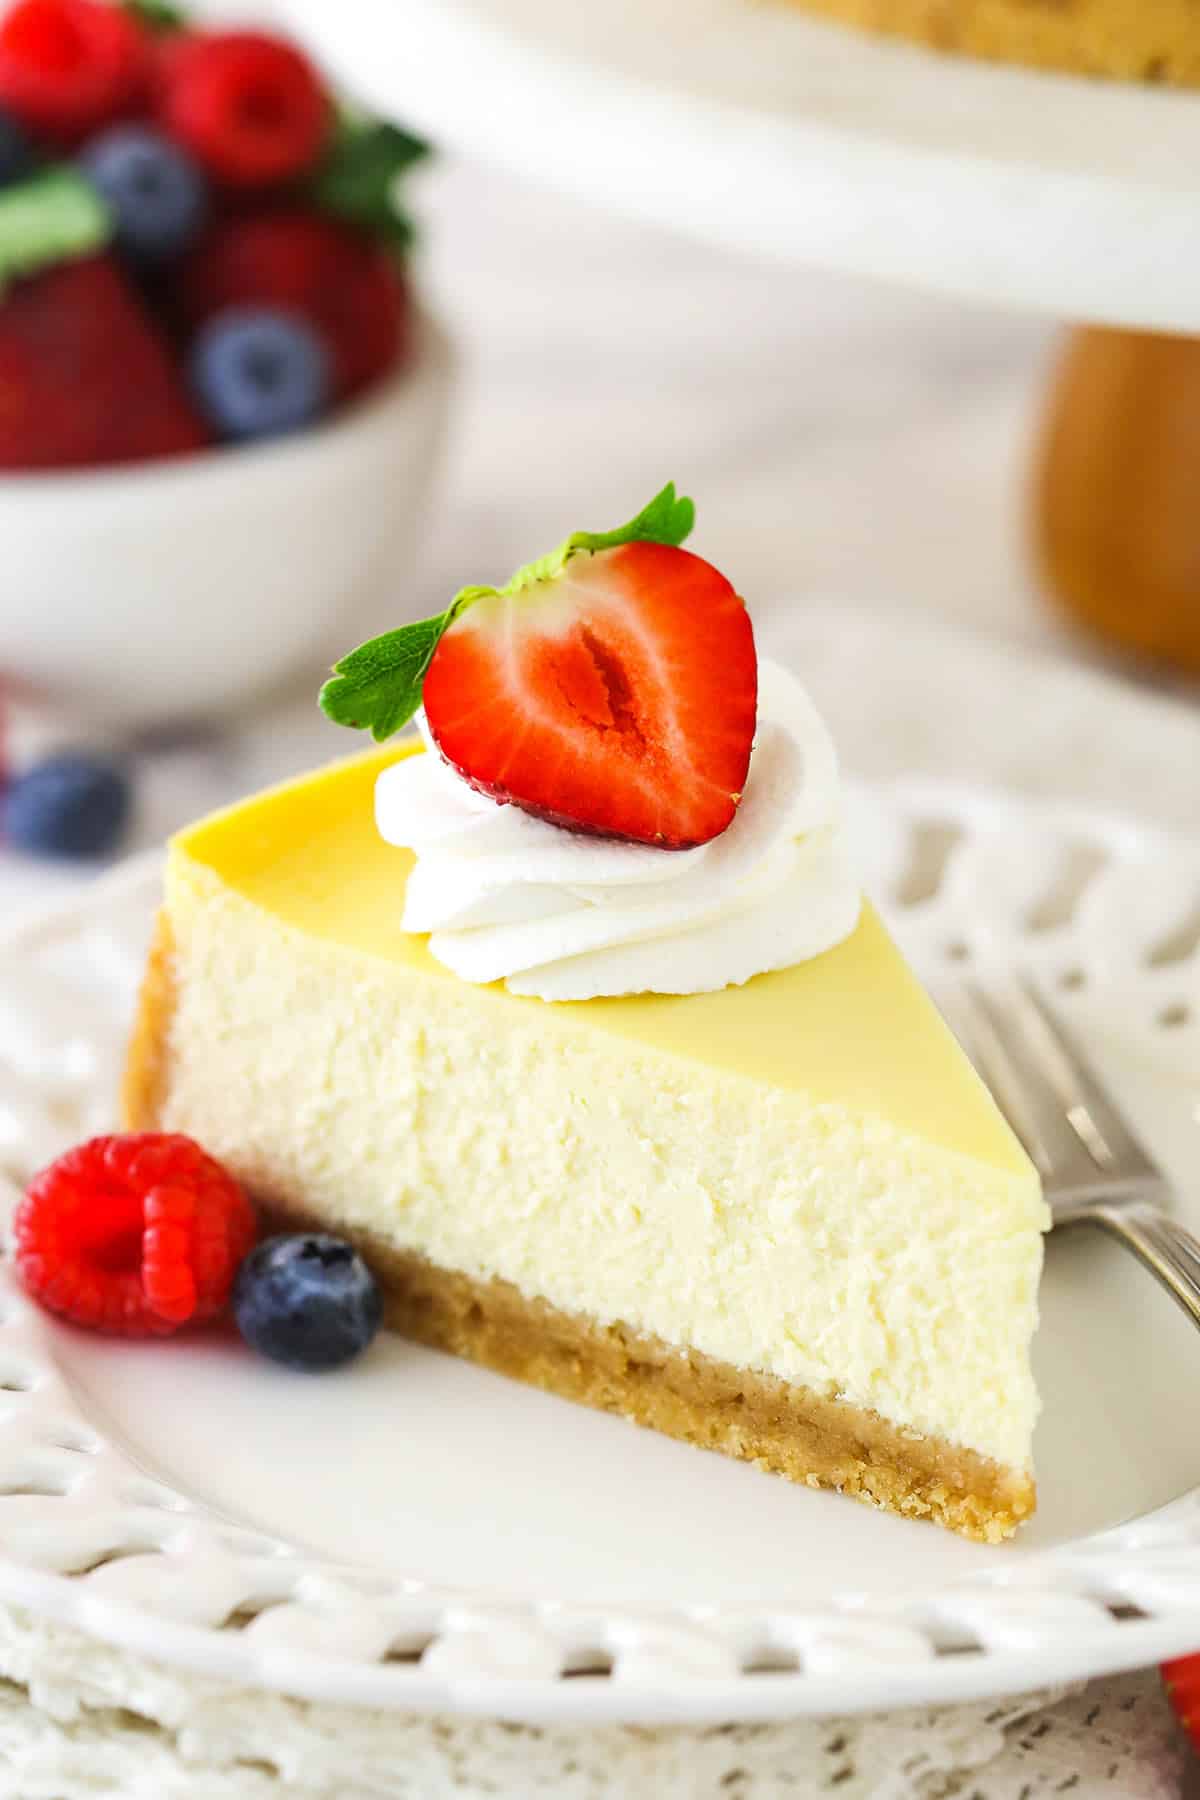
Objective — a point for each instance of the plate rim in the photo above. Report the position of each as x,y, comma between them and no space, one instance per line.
595,1700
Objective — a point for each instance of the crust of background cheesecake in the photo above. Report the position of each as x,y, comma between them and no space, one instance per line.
809,1438
1123,39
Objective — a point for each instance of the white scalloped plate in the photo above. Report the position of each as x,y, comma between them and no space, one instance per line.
419,1534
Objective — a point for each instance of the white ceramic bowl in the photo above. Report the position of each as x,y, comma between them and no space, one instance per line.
178,590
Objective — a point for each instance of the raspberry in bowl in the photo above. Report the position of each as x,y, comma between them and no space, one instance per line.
221,405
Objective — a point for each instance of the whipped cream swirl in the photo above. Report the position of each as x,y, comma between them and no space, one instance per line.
561,916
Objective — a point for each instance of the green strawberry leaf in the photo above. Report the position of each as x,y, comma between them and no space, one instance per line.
359,179
156,15
377,688
666,520
53,217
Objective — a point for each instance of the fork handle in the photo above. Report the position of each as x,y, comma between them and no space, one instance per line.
1168,1249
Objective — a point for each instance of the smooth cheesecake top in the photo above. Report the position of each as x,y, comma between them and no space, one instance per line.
852,1027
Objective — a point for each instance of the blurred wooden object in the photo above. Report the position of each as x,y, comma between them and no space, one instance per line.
1116,504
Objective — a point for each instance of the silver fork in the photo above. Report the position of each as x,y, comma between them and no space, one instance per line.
1094,1169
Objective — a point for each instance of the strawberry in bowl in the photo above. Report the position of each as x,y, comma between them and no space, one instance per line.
220,403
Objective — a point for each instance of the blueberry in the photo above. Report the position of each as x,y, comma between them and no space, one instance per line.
157,196
73,804
16,157
259,373
309,1302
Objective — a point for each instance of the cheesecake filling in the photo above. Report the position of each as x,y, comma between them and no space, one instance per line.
560,916
766,1228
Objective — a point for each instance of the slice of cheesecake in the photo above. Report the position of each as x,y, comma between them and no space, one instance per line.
782,1220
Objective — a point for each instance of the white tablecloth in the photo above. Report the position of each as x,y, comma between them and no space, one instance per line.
846,445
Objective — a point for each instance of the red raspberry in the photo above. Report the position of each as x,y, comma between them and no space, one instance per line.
133,1235
86,378
345,284
69,66
248,106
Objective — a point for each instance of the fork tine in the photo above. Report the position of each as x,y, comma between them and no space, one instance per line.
1093,1114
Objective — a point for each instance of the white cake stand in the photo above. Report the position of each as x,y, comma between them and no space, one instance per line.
762,130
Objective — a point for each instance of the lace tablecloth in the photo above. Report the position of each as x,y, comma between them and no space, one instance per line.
877,472
78,1719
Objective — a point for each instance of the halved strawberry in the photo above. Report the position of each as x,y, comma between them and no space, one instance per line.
618,698
610,687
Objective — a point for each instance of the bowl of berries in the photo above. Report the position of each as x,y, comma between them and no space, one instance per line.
221,404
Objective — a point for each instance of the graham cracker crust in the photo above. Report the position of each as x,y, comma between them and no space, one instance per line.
810,1438
144,1081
